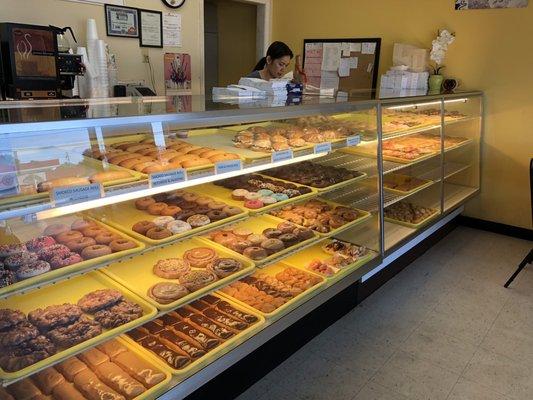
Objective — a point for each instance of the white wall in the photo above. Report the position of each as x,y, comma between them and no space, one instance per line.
128,52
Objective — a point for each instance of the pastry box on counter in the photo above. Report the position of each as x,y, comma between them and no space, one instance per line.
261,239
166,217
115,369
39,252
193,336
178,273
274,290
61,320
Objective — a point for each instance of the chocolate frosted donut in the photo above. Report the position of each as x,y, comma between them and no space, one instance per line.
225,266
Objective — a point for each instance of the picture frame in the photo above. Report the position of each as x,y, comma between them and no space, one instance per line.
150,28
121,21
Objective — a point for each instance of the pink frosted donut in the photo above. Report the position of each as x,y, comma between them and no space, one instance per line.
40,243
60,262
57,250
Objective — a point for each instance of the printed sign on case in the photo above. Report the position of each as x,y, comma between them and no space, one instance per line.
223,167
283,155
324,147
63,196
353,140
167,177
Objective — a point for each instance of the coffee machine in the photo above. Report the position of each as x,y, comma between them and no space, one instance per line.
32,67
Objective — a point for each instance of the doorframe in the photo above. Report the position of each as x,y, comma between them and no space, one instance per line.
263,33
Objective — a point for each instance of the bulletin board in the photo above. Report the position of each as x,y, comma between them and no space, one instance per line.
349,65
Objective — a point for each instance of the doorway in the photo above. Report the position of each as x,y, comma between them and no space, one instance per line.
234,39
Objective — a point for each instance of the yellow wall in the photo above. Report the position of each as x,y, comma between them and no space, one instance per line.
492,52
236,40
129,54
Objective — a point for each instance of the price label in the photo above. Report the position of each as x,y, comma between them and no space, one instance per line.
62,196
228,166
353,140
159,137
167,177
283,155
323,147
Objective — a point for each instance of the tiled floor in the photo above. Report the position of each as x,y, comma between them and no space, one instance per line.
443,329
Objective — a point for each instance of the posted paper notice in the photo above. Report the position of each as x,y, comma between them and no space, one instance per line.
331,56
171,29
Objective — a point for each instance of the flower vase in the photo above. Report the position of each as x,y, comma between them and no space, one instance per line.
435,83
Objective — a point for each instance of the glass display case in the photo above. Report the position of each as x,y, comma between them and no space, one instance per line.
178,234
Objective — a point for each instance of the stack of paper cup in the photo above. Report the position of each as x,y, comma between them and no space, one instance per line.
92,33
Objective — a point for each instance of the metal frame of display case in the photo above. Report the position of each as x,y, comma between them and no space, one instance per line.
229,116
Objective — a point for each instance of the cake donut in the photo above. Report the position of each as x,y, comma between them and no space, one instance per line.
106,238
78,245
121,244
68,236
143,226
158,233
97,250
167,292
80,224
142,204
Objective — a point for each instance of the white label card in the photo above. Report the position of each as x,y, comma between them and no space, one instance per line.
228,166
167,177
283,155
368,48
159,137
353,140
62,196
323,147
355,47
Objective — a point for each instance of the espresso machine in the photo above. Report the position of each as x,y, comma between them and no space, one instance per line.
33,66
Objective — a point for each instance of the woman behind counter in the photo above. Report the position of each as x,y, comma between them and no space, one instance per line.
278,58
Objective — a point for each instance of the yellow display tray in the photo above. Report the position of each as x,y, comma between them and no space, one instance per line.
70,292
257,225
87,167
225,195
122,216
212,355
302,259
413,226
365,215
399,178
28,231
288,306
324,189
137,275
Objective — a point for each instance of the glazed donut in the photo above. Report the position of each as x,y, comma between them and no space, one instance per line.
255,253
78,245
192,197
242,232
200,257
117,159
136,147
203,200
199,150
93,231
81,224
232,210
224,238
106,238
196,163
124,145
156,208
68,236
198,220
142,204
143,226
170,210
216,205
94,251
156,167
158,233
55,229
121,245
162,221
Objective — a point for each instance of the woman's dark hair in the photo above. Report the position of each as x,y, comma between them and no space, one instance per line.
275,50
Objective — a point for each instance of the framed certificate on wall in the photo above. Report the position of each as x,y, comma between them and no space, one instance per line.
151,28
121,21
